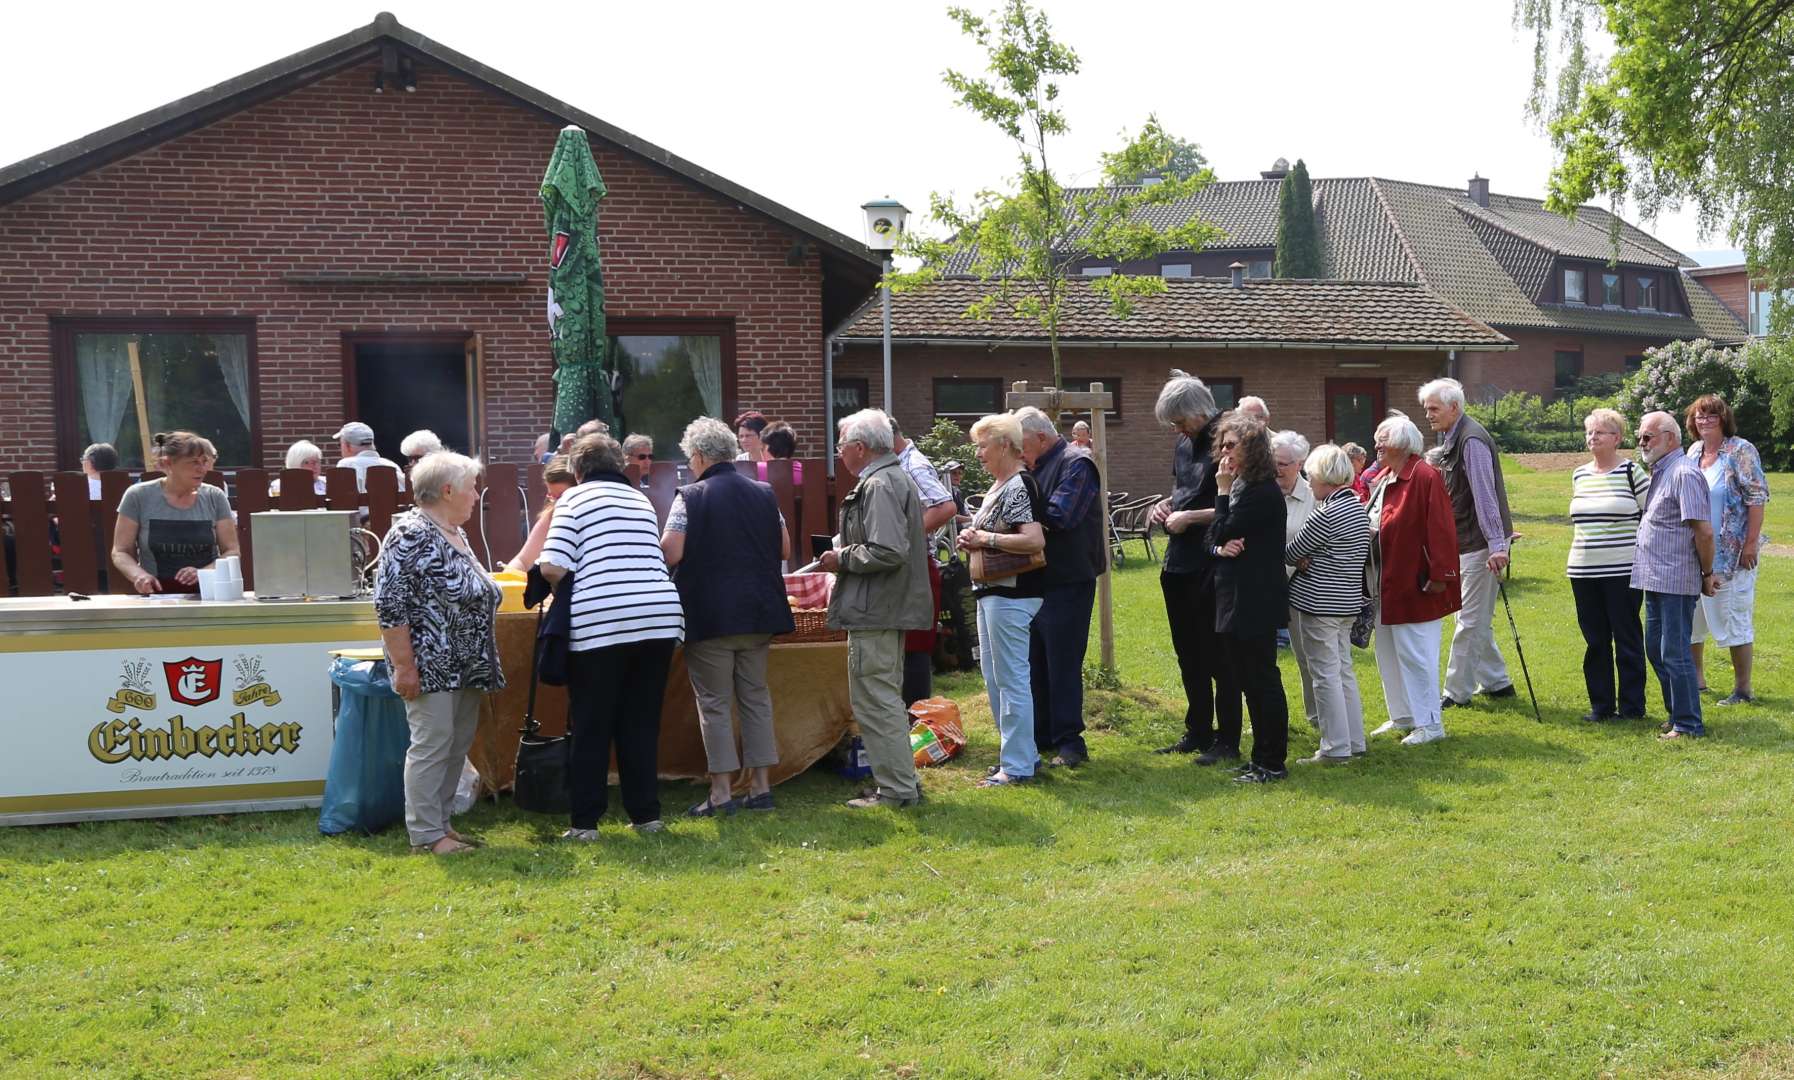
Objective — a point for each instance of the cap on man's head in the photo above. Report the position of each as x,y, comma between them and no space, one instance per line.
356,433
952,466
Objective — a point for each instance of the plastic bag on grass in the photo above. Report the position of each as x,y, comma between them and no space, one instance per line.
467,789
936,735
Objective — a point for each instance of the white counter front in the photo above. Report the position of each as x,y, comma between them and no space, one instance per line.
124,706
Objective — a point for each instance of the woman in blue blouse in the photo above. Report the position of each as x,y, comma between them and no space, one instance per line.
1740,491
438,612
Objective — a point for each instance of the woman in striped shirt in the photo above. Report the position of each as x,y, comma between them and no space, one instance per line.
1607,499
625,620
1327,589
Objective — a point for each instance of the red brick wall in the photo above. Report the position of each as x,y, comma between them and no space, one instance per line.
335,177
1292,383
1532,366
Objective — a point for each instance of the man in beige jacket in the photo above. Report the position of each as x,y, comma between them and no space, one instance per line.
880,560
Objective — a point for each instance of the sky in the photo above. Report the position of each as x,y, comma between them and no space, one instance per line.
821,106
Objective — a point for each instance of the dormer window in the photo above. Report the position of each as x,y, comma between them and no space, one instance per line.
1260,268
1647,292
1575,287
1175,270
1097,271
1610,291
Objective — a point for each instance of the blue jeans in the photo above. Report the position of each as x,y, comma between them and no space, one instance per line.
1669,622
1003,624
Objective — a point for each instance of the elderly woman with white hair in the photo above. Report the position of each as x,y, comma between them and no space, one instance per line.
1288,450
417,446
726,543
438,612
1415,554
306,455
1326,557
1007,524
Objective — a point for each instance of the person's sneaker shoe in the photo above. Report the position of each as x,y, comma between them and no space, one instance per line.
1422,736
1449,702
1242,767
762,801
876,799
1737,699
1390,727
1216,754
1185,745
584,835
649,826
1258,774
1319,758
1068,759
1593,717
1506,691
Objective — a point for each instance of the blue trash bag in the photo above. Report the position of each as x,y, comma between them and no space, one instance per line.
364,790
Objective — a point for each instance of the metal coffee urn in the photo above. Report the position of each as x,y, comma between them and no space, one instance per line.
304,554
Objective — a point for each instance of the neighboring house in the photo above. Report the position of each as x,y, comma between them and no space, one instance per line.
1749,299
356,232
1330,356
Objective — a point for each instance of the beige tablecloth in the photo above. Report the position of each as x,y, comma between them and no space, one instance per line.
809,703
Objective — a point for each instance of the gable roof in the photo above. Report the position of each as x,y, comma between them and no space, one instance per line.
1490,262
1200,311
272,80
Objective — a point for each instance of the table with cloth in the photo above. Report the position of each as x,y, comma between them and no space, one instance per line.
809,701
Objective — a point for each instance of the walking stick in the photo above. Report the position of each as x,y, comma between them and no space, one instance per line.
1501,587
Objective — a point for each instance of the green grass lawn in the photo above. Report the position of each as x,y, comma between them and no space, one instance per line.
1523,899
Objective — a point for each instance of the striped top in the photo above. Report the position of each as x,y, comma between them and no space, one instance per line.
1336,542
1604,510
605,532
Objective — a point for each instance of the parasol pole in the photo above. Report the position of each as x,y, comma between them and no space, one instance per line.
143,428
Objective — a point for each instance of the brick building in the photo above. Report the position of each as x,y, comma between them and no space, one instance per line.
1328,356
355,232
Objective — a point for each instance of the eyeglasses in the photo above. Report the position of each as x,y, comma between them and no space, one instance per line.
1646,436
642,457
1230,445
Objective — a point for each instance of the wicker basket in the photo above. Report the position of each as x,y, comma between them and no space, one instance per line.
812,625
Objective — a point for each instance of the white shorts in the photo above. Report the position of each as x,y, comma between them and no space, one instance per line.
1730,613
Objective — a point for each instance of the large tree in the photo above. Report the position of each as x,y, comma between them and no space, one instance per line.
1022,243
1298,243
1692,102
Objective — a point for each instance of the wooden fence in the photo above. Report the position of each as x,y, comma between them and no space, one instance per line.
58,540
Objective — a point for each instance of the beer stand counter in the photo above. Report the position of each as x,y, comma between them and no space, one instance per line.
134,707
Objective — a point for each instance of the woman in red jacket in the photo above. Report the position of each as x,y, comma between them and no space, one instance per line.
1415,559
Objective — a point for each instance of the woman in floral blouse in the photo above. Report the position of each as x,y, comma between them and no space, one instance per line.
1734,474
438,612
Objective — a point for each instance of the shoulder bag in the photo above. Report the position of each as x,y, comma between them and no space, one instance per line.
989,565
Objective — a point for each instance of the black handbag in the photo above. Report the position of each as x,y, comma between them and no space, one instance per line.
540,785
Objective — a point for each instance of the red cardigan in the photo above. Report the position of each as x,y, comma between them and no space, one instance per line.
1418,542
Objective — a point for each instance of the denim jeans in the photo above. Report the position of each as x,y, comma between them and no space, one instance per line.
1003,653
1669,619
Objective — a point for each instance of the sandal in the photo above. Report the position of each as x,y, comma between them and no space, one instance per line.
455,847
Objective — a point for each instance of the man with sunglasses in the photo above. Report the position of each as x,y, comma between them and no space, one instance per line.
1673,565
638,450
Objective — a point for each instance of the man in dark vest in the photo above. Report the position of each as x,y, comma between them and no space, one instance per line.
1075,554
1471,463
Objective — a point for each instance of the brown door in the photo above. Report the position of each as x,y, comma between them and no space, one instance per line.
398,382
1354,409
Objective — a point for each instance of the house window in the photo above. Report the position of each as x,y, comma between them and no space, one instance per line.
1647,292
1575,287
196,375
1111,385
1228,392
1175,270
1260,268
1634,363
851,395
1610,291
1568,369
667,373
1762,305
967,399
1097,271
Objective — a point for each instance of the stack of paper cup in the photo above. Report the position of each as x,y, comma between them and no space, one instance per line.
230,578
208,584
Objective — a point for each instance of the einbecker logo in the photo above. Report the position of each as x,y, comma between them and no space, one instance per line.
193,681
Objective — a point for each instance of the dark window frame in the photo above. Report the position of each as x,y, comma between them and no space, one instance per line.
1558,382
722,326
1233,382
934,392
1653,283
1564,285
1252,265
352,393
1111,385
67,394
1619,288
1189,270
1633,363
865,389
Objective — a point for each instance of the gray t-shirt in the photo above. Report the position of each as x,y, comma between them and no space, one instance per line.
169,537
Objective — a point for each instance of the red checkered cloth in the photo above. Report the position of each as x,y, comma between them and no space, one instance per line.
812,590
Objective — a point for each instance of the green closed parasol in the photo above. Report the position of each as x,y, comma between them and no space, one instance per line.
571,189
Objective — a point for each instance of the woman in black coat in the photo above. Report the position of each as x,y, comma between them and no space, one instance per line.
1251,602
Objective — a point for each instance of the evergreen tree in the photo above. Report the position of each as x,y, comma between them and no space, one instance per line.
1298,244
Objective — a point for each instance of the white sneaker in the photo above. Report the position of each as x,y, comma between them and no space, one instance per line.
587,835
1422,736
1390,726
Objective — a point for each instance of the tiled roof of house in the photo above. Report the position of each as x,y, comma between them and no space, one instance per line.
1367,314
1491,262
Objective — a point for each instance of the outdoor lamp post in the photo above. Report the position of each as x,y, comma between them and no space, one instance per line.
884,224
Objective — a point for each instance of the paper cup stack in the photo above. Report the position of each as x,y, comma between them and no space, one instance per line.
224,581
